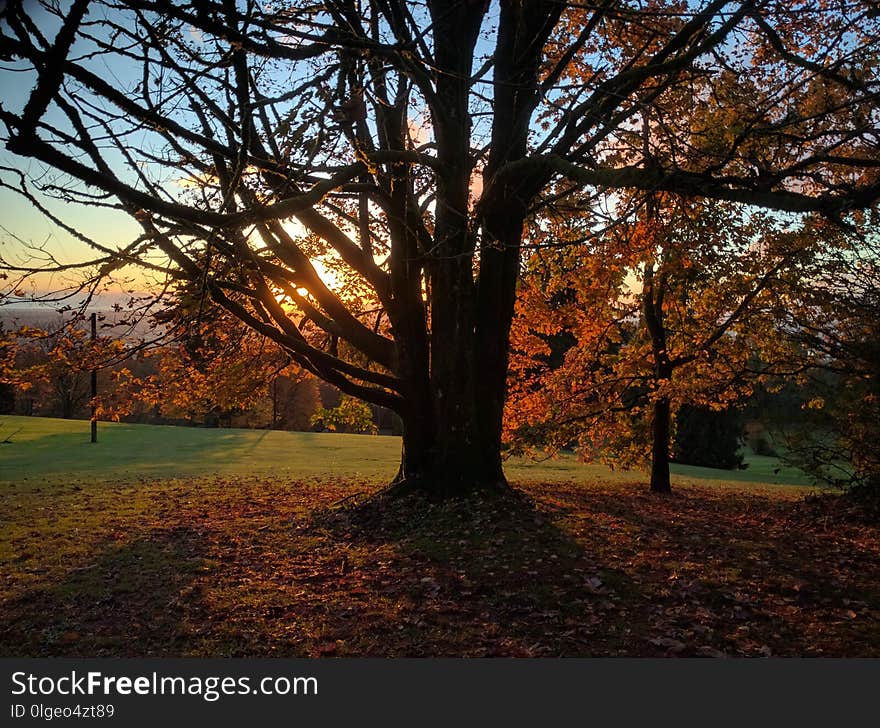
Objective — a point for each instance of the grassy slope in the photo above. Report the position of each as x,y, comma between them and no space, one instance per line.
49,449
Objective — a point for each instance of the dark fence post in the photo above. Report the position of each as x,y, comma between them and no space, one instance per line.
94,383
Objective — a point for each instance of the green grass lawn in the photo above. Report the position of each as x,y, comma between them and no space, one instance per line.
44,449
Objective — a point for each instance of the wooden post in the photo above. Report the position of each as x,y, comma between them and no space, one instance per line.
94,383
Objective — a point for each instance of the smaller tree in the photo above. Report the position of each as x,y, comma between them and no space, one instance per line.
295,397
214,369
7,364
660,311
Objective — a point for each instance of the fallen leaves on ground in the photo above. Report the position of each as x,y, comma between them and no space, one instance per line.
248,567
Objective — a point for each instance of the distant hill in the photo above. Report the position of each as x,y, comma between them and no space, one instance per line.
112,323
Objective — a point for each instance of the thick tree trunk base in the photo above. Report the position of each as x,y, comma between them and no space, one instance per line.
661,487
442,486
449,467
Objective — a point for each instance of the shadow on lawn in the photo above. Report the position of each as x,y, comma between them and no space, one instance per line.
484,575
606,572
250,569
133,599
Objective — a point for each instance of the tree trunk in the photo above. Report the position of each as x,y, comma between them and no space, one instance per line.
446,467
496,302
454,379
660,447
453,417
445,450
653,293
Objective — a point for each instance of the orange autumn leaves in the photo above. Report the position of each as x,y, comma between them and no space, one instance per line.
586,366
217,369
50,363
196,369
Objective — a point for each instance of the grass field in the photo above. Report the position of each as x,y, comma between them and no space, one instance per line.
48,449
183,542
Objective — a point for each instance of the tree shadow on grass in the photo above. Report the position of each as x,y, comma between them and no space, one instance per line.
739,572
255,570
136,598
583,572
483,575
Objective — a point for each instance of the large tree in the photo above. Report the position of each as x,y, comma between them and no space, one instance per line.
412,141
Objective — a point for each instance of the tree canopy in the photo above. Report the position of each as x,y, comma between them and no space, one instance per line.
408,145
